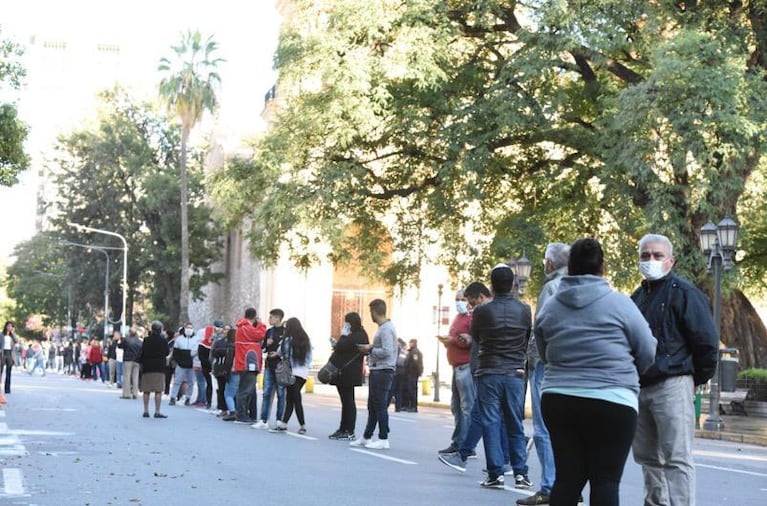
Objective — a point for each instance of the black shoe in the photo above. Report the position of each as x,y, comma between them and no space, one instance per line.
522,481
172,402
186,402
146,415
160,415
229,418
245,421
492,483
537,499
449,449
336,435
347,436
454,461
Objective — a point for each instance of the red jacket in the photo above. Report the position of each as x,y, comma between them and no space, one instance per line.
459,353
95,355
247,346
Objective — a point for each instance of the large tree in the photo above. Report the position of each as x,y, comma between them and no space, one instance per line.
189,87
13,132
461,131
122,175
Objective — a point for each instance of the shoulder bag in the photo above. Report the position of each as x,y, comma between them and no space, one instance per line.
283,371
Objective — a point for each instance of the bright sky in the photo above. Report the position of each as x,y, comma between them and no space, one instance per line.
144,30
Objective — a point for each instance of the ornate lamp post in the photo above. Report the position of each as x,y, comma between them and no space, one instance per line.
521,268
439,332
718,244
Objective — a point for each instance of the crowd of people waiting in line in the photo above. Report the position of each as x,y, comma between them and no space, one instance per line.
608,373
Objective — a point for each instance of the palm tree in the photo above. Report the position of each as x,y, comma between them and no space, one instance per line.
189,89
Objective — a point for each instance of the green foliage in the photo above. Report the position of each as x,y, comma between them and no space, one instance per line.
13,132
463,133
122,175
754,374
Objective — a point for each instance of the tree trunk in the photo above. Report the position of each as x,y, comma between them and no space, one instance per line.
184,293
743,329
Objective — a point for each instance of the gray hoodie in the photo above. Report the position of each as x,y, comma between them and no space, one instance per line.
591,336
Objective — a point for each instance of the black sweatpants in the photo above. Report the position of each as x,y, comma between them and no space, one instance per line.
591,440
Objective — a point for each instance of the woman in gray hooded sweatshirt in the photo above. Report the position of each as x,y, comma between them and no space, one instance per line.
595,343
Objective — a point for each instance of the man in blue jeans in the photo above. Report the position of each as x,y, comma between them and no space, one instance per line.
382,360
501,328
273,340
555,266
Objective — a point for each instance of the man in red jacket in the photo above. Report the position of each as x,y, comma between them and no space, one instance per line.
247,362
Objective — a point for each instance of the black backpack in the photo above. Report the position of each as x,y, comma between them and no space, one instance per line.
222,358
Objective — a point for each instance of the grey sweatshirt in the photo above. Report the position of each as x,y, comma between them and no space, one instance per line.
383,354
591,336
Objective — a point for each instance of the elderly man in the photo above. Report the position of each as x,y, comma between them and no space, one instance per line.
678,314
554,267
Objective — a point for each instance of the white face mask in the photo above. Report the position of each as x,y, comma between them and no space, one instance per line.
346,329
462,306
652,269
188,332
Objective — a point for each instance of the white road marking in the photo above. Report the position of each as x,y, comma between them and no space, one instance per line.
399,419
40,433
13,484
52,409
385,457
740,471
734,456
295,434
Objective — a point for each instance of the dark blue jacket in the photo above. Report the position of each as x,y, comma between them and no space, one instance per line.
680,319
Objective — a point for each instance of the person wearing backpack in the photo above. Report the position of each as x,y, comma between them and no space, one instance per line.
222,359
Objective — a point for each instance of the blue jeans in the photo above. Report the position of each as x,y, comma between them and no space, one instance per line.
540,432
231,391
379,386
474,433
119,374
202,385
462,402
502,398
270,388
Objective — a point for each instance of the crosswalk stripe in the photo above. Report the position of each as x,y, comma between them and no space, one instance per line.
13,484
385,457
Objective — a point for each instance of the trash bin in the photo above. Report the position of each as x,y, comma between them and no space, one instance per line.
729,373
309,386
426,386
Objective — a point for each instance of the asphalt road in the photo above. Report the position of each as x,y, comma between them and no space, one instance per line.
64,441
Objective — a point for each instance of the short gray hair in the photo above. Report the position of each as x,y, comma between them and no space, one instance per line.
656,238
558,253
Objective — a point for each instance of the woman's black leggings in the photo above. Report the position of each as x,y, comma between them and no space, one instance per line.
591,440
348,408
293,401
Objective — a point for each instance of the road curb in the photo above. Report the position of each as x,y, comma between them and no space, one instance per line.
732,437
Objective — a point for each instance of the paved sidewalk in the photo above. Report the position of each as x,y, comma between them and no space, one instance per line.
739,429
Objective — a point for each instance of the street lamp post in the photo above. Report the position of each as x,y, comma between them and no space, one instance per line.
718,244
521,267
439,332
124,315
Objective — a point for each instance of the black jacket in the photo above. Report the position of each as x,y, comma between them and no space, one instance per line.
414,362
680,319
275,334
131,346
154,350
346,350
501,327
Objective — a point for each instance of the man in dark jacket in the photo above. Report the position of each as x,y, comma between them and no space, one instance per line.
414,366
688,342
502,328
131,346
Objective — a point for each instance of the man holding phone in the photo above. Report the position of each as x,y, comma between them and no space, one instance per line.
382,361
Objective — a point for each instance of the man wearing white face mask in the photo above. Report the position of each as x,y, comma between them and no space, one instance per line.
679,317
458,344
184,351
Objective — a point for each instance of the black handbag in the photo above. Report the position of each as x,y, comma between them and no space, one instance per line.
283,371
329,373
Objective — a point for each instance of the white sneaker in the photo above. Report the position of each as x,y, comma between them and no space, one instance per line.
378,444
360,442
260,425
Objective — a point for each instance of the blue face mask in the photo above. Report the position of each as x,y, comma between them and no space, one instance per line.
462,306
